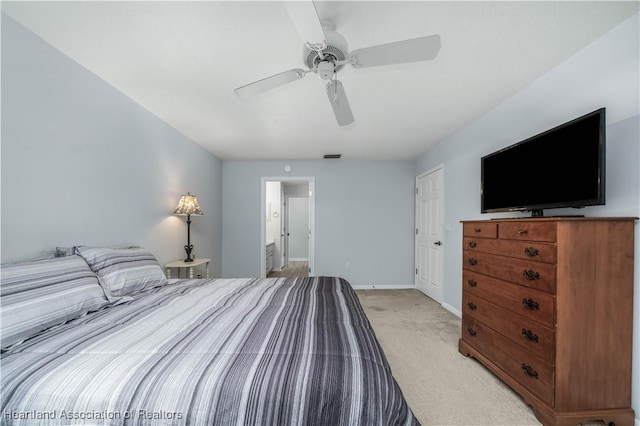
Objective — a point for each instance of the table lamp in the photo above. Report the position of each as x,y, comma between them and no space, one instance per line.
188,205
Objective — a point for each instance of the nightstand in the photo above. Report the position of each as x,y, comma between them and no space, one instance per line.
181,264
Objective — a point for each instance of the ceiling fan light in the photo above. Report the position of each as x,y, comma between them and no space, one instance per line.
325,70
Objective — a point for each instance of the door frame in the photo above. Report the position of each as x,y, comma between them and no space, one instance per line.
440,168
311,181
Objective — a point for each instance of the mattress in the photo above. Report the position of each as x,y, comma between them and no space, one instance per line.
285,351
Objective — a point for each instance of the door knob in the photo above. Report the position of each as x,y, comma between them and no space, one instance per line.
438,243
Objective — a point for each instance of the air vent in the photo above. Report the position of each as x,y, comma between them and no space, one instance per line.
332,156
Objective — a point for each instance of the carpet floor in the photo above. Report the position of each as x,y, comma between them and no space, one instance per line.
442,387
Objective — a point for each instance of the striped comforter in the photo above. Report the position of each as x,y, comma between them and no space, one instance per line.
295,351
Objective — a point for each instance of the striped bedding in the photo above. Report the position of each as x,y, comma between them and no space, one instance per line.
285,351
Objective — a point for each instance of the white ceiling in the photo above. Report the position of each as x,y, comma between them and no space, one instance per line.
182,60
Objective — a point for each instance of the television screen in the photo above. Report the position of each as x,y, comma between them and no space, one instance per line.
562,167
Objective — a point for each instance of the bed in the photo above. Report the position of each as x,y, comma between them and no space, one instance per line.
282,351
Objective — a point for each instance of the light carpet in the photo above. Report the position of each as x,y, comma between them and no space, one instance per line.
294,269
442,387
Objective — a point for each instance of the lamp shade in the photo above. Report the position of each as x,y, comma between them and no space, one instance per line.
188,205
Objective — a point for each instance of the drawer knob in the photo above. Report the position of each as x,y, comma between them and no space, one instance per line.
530,274
528,370
522,231
530,335
472,306
530,304
473,261
472,282
472,244
471,331
531,251
477,230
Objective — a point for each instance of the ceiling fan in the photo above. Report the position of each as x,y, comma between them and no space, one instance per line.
325,52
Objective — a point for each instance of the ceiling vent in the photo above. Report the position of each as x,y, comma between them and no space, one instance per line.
332,156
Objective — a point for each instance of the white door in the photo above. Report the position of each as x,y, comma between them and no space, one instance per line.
429,224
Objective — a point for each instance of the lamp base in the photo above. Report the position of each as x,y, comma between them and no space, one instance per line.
188,249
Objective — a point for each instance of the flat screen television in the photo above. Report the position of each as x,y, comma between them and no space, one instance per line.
562,167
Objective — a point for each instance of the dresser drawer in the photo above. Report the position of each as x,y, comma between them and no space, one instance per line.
529,370
532,304
530,231
480,229
538,275
532,336
539,252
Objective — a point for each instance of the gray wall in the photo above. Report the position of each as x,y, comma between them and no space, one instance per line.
84,164
364,215
298,217
605,73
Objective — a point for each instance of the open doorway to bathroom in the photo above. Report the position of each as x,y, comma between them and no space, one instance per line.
288,227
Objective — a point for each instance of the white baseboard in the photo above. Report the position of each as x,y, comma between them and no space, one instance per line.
383,287
298,259
453,310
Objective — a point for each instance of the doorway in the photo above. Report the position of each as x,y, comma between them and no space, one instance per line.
288,224
429,230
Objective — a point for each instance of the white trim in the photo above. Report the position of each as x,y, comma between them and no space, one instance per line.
637,422
298,259
423,174
383,287
451,309
312,217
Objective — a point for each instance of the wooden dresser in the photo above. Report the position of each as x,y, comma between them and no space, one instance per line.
547,306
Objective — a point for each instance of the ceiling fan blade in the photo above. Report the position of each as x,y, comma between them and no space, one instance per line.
399,52
339,102
261,86
305,17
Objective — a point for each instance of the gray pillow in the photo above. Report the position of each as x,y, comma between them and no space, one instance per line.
39,294
69,251
123,271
